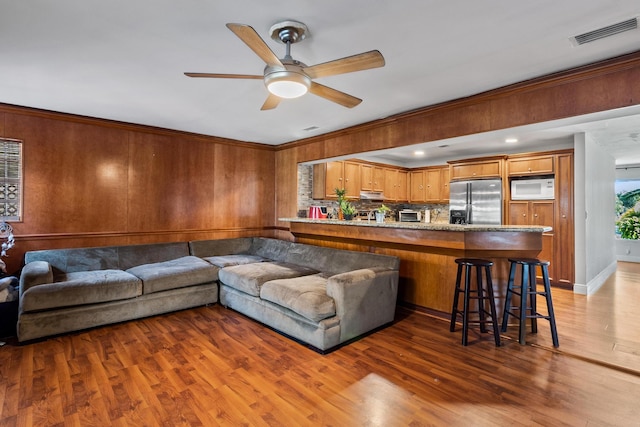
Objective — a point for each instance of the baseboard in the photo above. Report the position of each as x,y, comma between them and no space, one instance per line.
627,258
594,284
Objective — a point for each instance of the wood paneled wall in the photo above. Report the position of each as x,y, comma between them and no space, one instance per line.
602,86
92,183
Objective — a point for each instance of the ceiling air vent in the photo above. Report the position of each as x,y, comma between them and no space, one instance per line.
620,27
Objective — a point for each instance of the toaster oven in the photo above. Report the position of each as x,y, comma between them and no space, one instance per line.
408,215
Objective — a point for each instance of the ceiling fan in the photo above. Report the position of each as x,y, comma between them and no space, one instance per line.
288,78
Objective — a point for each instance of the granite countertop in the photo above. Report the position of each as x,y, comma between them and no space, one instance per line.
422,225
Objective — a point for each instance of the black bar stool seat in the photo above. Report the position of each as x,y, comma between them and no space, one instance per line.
528,293
484,315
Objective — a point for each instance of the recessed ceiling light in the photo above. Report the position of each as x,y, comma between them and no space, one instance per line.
418,153
511,140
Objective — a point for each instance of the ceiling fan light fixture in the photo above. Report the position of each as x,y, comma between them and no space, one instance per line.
287,84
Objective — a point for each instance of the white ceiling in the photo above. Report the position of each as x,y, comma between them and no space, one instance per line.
124,60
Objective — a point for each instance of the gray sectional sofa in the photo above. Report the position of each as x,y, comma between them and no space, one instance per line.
321,296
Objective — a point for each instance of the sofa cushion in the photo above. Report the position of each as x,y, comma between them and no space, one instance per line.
306,296
229,260
249,278
176,273
80,288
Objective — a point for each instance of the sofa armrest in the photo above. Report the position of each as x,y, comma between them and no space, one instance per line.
35,273
365,299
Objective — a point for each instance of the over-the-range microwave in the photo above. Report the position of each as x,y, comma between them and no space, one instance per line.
533,189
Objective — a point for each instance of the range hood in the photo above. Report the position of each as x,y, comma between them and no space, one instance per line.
371,195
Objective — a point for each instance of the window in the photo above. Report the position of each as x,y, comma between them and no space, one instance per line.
628,208
10,179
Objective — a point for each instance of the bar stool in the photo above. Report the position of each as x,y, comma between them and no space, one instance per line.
528,292
484,316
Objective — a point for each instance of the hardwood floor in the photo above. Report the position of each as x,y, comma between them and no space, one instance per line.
212,366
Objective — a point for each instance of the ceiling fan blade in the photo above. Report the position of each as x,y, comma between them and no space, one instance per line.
251,38
271,102
224,76
336,96
362,61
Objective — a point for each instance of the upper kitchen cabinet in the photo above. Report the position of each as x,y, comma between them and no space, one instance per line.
372,178
429,185
395,185
486,167
416,186
331,175
530,165
444,184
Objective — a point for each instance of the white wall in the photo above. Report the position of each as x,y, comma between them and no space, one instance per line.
595,175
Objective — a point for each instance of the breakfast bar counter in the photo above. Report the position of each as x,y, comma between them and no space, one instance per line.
427,251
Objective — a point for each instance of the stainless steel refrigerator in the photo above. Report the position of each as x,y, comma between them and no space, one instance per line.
475,202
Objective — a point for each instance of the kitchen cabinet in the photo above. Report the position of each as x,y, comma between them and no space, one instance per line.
532,212
357,176
395,185
340,174
403,186
490,167
366,177
530,165
429,185
372,178
432,185
537,212
558,244
444,184
564,224
378,179
417,192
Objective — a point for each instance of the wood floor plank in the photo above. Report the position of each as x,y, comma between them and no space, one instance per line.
213,366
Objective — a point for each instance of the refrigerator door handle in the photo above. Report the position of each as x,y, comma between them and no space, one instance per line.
469,203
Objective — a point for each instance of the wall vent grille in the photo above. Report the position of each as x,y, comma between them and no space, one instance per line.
620,27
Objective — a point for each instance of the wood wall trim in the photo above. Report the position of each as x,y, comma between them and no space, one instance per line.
403,126
540,153
114,124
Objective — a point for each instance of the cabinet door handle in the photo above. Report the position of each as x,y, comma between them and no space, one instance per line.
524,214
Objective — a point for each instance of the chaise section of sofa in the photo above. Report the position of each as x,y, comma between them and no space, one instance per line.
321,296
64,290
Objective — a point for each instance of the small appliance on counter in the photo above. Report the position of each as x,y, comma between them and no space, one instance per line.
409,215
426,217
458,216
317,212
